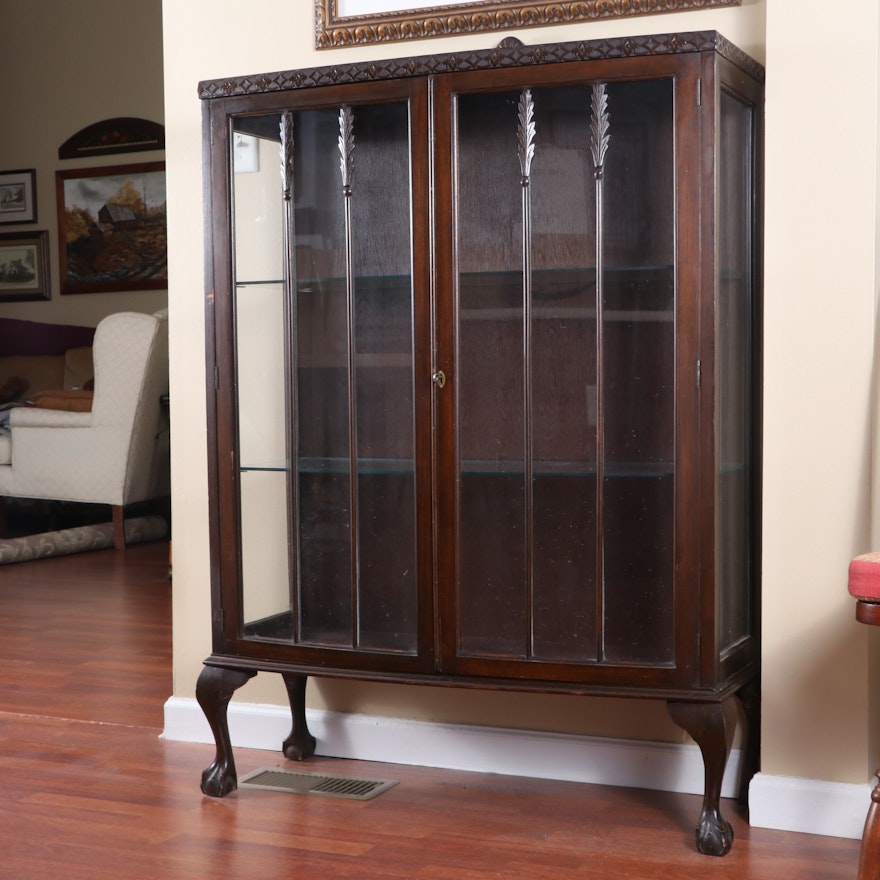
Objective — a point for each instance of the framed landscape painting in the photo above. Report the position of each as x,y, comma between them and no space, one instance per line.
112,228
24,266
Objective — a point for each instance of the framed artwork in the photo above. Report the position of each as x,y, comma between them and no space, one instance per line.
24,266
112,228
18,196
356,22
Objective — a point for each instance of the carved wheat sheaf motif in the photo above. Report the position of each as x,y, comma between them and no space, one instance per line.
599,127
286,150
346,147
526,134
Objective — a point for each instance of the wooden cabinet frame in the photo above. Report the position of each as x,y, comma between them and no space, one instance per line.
703,209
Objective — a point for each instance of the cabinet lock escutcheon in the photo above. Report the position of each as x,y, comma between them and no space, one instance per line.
439,378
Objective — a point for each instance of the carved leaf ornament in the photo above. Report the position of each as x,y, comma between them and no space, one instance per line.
346,147
599,127
287,155
526,134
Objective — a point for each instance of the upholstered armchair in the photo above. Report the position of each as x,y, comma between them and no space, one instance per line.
117,453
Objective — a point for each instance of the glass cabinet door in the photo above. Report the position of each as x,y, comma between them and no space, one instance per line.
324,316
565,344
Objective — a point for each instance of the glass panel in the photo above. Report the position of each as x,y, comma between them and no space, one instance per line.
326,424
638,367
383,345
562,375
322,413
261,370
566,425
354,394
492,489
733,389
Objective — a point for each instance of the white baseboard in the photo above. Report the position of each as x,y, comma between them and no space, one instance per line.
806,805
812,806
627,763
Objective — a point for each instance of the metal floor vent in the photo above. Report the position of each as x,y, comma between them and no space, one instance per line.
273,779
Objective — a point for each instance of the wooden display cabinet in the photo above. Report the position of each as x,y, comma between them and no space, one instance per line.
484,379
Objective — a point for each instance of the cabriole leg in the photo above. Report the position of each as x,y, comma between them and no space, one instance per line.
214,690
300,745
711,726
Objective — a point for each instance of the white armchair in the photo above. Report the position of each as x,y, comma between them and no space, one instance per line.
118,453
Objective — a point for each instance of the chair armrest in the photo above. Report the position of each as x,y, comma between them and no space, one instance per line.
34,417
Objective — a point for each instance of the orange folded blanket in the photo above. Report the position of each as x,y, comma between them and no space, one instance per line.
69,400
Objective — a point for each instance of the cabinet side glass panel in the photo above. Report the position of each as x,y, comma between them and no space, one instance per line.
733,383
260,369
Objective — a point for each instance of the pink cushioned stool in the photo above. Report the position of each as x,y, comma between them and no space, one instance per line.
864,585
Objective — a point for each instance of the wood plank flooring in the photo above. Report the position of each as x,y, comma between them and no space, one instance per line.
89,791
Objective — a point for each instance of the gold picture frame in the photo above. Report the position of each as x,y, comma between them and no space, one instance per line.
354,22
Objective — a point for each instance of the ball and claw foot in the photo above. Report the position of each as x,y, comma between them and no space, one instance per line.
714,834
299,748
218,781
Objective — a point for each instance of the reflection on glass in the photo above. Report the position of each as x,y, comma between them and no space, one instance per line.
327,426
565,342
733,389
260,361
638,377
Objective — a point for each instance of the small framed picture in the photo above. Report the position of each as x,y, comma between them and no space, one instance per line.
18,196
24,266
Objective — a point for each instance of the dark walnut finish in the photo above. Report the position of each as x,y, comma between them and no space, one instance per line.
484,365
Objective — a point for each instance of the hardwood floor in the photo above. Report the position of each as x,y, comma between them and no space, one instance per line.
89,790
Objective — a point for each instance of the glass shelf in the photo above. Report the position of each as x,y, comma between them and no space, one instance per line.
265,468
569,469
633,274
472,468
568,314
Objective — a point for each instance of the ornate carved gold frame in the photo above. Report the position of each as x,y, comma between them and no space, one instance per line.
450,17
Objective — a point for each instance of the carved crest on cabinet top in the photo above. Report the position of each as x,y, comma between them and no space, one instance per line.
508,54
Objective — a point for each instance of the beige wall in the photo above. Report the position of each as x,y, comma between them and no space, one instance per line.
64,66
821,284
